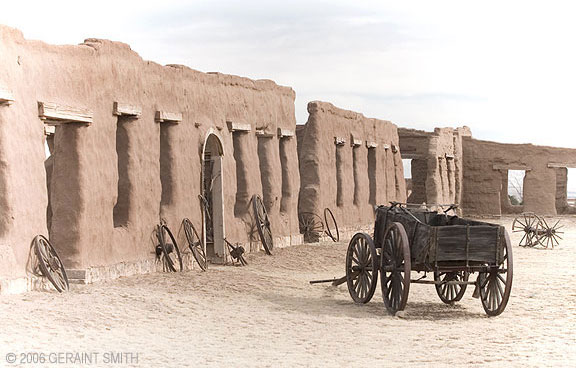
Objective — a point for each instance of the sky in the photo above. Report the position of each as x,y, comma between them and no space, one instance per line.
506,69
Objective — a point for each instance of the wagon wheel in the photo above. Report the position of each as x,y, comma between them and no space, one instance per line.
361,268
170,251
548,235
495,285
331,225
195,244
50,264
528,223
395,269
450,293
311,225
263,224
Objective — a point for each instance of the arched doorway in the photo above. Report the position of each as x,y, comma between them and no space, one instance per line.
212,191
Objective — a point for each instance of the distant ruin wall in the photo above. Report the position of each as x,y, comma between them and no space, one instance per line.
436,164
348,163
486,166
167,113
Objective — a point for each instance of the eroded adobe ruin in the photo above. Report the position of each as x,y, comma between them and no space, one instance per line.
348,163
132,142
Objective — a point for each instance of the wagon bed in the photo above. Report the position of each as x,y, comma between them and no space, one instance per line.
438,240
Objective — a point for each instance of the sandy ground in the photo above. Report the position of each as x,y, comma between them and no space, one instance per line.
267,314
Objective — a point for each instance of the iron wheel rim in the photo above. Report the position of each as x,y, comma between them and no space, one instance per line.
263,224
171,258
50,263
395,268
361,268
495,288
196,247
334,235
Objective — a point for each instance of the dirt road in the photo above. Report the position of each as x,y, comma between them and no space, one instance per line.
267,314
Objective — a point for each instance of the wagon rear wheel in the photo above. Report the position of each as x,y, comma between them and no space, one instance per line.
496,284
451,293
361,268
395,268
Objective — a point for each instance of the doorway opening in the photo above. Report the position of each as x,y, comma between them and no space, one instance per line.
516,187
571,187
407,164
49,148
212,199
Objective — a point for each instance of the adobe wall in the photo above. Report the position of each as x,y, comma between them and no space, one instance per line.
486,166
436,165
348,163
84,166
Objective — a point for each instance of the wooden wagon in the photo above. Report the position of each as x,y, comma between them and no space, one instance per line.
424,241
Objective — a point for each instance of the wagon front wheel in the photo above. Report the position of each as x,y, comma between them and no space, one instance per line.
448,292
395,268
361,268
496,284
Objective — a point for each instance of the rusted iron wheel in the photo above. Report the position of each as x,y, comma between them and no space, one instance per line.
263,224
195,244
529,223
237,253
548,236
50,263
169,251
395,268
496,284
361,268
311,226
331,225
451,293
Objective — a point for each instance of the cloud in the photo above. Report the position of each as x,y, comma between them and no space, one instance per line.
503,68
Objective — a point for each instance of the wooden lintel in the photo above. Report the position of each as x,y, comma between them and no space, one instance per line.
339,141
555,165
54,114
386,146
168,117
412,156
285,133
371,144
122,109
261,133
511,167
49,130
238,127
355,142
449,157
6,97
394,148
